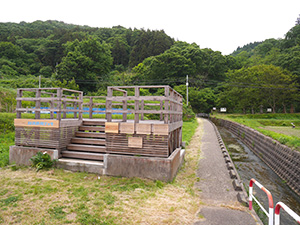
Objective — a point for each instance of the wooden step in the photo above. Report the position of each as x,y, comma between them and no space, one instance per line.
89,134
90,128
86,148
82,155
93,123
88,141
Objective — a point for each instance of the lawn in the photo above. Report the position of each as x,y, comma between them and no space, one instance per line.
276,126
56,196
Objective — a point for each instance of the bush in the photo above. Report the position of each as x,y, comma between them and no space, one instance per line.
188,114
41,161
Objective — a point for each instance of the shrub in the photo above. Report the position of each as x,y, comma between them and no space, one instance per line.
41,161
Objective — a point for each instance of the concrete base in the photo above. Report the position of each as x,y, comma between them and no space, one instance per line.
164,169
21,155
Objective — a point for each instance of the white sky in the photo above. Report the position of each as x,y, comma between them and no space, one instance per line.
221,25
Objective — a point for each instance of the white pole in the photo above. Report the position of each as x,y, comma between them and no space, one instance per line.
187,90
40,81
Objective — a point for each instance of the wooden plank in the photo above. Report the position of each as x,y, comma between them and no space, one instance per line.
111,127
127,128
135,142
89,141
160,129
82,155
89,134
94,122
88,148
90,128
36,123
143,128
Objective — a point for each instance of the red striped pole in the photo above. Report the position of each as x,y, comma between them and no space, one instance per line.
270,199
280,205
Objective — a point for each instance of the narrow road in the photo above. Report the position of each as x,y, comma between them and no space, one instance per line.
220,205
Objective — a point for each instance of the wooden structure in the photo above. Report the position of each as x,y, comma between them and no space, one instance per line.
64,129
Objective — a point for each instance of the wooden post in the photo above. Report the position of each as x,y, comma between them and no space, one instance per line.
75,107
52,107
59,95
124,107
161,108
142,108
37,104
19,103
109,105
137,105
64,103
91,108
166,116
80,105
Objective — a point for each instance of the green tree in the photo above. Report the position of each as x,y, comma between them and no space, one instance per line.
86,62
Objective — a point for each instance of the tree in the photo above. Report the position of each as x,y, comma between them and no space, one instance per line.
85,62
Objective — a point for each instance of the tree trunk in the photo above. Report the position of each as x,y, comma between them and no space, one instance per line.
261,109
292,109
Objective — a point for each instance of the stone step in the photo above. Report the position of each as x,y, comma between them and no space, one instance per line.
86,148
89,141
82,155
80,165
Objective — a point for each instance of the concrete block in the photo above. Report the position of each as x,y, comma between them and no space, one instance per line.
145,167
232,174
242,199
227,159
21,155
236,185
229,166
79,165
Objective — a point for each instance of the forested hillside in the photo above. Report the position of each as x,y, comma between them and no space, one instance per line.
254,77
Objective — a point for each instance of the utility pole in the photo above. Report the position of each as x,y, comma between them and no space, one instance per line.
187,90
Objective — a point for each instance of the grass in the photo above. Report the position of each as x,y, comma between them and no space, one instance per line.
276,126
62,197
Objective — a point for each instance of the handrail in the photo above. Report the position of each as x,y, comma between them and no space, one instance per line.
280,205
270,198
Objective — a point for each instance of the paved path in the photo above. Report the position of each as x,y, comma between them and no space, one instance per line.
220,205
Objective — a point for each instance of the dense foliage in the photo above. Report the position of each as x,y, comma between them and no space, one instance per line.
254,77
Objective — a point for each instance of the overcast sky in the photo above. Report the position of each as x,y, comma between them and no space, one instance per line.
221,25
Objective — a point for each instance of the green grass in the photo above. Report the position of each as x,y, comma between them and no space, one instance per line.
271,125
188,130
62,197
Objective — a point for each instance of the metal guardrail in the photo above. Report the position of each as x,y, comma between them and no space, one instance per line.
270,214
278,206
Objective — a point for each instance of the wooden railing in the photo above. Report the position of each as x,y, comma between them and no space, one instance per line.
170,104
63,101
56,99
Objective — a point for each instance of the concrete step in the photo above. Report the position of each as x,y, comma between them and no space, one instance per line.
86,148
91,128
88,141
89,134
82,155
80,165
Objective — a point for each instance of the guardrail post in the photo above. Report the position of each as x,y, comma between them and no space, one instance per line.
270,199
280,205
